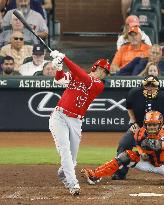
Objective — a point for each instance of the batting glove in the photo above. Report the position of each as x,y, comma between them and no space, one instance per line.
56,54
57,63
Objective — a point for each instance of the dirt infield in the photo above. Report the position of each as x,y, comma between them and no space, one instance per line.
44,139
38,185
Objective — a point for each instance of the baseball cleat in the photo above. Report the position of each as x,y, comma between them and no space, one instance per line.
62,178
88,174
75,191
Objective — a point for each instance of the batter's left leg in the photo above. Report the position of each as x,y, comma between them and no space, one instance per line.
60,131
75,137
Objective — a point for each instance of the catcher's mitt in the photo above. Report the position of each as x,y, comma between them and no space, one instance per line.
151,144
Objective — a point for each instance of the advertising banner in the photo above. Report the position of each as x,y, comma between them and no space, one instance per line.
26,104
30,110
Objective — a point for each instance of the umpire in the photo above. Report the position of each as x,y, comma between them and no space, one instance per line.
139,101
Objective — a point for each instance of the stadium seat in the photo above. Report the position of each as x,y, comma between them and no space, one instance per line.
147,18
148,5
150,32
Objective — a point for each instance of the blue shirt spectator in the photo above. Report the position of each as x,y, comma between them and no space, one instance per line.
35,5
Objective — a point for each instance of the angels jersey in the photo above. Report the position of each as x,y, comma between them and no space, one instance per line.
81,91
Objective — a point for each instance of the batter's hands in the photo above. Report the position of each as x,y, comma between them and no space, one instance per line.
134,127
57,63
56,54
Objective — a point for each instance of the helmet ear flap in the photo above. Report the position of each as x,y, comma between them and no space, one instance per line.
102,63
93,68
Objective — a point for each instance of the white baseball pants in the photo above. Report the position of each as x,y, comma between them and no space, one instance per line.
66,132
148,167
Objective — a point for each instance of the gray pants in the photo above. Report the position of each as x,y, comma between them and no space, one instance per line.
148,167
66,132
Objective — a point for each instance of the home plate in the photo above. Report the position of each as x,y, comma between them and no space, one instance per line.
146,194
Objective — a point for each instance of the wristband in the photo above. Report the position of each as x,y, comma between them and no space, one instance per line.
133,123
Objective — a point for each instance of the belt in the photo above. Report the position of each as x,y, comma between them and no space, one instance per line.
68,113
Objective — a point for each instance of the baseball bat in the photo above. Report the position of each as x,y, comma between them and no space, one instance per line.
22,19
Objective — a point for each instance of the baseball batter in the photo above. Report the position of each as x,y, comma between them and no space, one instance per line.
149,157
66,120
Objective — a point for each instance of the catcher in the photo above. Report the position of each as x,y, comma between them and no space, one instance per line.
149,156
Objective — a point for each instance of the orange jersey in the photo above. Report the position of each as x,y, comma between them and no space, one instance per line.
127,53
156,157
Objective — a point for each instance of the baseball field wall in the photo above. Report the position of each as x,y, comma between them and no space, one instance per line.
88,16
27,103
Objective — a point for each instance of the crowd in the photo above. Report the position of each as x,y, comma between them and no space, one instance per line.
17,44
135,52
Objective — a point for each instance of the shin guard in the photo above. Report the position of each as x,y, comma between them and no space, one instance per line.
108,169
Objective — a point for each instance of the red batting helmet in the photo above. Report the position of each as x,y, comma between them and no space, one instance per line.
103,63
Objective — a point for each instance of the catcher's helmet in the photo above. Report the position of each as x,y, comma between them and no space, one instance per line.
150,86
103,63
153,122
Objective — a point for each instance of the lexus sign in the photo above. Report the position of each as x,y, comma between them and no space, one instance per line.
42,104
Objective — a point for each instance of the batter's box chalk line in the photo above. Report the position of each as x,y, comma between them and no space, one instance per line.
23,193
146,194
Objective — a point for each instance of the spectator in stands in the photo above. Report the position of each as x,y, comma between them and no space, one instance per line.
32,17
131,21
16,25
8,67
48,70
138,64
35,5
17,49
135,48
29,68
150,69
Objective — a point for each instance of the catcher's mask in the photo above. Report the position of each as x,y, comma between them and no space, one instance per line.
102,63
150,86
153,122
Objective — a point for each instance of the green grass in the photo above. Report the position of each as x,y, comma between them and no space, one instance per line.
87,155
